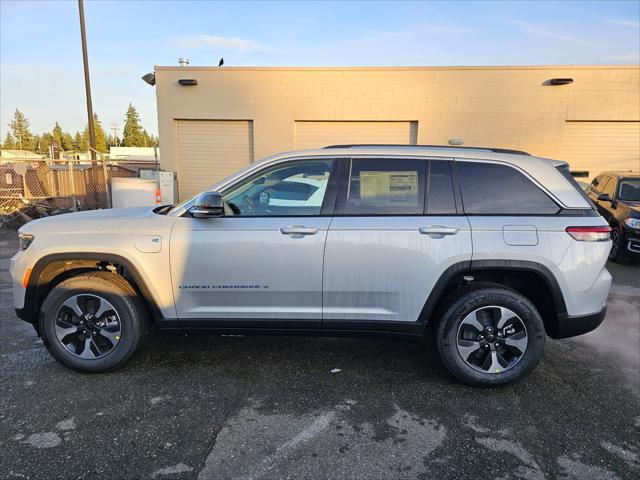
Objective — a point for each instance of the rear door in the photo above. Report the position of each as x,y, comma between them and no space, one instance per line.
395,230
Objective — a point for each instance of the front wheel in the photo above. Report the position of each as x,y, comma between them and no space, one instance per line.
92,322
617,247
490,336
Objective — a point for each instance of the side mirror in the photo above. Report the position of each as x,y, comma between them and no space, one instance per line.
604,197
208,205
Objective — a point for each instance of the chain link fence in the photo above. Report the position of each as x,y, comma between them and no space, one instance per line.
32,188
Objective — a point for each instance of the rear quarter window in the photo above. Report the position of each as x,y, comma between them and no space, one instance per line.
493,189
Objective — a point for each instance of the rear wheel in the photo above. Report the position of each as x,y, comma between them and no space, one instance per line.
490,336
92,322
615,255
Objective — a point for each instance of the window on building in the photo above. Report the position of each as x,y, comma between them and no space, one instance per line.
384,187
293,189
493,189
440,196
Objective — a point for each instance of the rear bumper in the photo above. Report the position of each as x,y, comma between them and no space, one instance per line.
571,326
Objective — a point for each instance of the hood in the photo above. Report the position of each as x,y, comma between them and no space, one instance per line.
111,219
633,207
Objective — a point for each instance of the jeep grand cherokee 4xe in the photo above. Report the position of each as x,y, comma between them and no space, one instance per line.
493,250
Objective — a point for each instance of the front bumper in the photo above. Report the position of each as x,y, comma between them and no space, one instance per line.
631,242
571,326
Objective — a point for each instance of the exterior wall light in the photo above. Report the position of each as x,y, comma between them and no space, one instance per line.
560,81
186,82
456,141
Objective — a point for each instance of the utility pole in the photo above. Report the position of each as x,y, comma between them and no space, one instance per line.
87,84
114,128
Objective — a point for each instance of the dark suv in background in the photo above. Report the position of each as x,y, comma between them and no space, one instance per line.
617,196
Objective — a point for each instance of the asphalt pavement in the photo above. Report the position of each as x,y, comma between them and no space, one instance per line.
205,407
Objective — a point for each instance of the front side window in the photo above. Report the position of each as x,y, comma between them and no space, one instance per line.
493,189
294,189
384,187
610,187
629,190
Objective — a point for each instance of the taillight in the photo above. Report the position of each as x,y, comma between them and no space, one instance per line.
590,234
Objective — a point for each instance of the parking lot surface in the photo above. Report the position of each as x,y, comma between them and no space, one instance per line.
272,408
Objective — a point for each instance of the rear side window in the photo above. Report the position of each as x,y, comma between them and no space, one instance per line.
566,173
492,189
440,197
384,187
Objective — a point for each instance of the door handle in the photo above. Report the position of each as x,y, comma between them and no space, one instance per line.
438,230
299,230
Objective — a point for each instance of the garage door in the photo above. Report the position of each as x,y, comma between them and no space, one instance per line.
599,146
209,150
321,134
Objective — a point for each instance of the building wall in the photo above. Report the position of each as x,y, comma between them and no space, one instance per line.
508,107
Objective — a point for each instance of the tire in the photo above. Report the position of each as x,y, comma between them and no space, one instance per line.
112,337
479,369
617,247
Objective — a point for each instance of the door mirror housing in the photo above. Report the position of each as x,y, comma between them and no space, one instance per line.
604,197
208,205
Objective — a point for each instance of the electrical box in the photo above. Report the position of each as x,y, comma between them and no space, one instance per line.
168,187
168,183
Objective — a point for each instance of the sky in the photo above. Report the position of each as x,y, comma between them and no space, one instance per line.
41,59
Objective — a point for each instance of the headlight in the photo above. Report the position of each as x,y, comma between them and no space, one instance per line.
25,240
633,223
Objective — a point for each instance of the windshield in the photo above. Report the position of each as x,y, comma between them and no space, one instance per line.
629,190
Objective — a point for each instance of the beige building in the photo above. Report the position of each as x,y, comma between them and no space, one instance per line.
234,116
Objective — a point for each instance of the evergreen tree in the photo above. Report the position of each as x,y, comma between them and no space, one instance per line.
101,136
133,134
114,141
79,143
20,128
42,142
67,142
9,143
57,134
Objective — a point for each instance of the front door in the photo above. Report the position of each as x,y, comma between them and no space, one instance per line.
263,259
386,249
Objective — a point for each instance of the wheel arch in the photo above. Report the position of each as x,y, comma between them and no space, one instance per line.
531,279
54,268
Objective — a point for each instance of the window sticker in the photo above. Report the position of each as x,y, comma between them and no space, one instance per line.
388,184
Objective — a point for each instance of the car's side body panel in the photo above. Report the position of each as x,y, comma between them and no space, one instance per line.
102,234
383,268
579,267
247,268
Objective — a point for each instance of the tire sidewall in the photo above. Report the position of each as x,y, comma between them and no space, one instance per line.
124,306
485,297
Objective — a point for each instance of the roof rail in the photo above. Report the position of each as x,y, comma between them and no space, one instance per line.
495,150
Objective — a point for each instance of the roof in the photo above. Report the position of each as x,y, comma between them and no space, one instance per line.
404,68
516,157
621,173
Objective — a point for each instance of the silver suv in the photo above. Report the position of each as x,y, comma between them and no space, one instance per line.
491,249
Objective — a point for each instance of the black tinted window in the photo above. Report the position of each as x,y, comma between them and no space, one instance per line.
492,189
385,187
440,199
610,187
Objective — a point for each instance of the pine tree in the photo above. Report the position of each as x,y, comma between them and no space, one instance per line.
113,141
133,134
67,142
9,143
57,134
42,142
101,137
79,143
20,128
